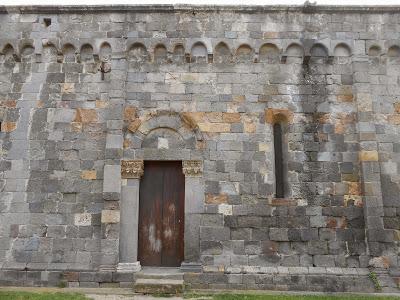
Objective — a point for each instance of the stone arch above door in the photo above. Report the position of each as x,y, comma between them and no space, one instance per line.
162,135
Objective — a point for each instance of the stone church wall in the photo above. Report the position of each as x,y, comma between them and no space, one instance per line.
82,89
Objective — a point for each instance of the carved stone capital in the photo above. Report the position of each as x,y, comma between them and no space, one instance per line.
132,168
192,168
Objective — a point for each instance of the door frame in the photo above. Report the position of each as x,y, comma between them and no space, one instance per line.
131,172
156,168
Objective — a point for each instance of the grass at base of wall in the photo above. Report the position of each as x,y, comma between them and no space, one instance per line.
303,297
40,296
255,296
6,295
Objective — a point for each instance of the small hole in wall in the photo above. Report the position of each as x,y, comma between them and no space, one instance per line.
47,22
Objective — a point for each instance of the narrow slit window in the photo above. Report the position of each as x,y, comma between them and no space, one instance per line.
279,172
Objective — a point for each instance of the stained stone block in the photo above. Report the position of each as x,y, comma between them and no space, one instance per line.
110,216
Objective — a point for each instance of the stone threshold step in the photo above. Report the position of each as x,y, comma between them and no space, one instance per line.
160,276
172,276
160,273
158,286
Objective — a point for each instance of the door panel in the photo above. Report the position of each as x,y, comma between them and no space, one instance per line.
173,215
150,215
161,214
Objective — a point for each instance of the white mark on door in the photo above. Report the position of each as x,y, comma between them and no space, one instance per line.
155,244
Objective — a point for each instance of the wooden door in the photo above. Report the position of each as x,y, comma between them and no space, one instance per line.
161,214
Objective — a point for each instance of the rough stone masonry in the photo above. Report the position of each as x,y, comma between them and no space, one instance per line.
88,94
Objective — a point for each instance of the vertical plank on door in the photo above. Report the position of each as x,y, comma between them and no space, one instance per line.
150,215
173,215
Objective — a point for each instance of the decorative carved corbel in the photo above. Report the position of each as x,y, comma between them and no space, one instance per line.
192,168
105,67
132,169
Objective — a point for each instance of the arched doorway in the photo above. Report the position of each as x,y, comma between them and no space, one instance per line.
170,198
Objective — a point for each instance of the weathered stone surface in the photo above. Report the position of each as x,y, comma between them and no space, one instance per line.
102,86
380,262
84,219
134,125
110,216
112,179
8,126
216,199
215,127
368,156
88,174
130,113
278,115
85,116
